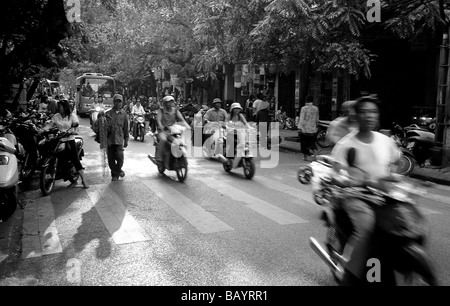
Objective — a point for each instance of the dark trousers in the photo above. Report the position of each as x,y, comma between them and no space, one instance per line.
115,159
308,143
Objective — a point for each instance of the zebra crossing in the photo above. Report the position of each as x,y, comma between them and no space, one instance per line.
40,233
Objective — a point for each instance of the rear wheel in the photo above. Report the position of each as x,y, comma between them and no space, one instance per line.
48,175
249,167
8,204
405,166
227,167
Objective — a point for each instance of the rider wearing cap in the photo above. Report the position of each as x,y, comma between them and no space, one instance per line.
214,118
167,116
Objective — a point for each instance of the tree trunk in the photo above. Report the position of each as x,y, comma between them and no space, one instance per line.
32,88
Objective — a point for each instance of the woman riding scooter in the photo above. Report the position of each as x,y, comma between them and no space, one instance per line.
167,116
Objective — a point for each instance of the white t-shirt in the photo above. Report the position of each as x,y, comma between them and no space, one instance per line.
374,158
65,123
138,110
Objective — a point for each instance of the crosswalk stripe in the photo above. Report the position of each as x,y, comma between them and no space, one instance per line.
297,193
122,227
40,235
202,220
266,209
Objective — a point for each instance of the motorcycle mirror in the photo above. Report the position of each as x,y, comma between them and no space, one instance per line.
351,156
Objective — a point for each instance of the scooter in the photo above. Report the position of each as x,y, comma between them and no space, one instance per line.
56,164
138,130
241,156
94,114
400,232
9,179
176,159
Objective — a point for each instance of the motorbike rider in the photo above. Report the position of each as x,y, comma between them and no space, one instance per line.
344,124
137,110
375,153
98,102
214,119
235,120
64,120
167,116
153,109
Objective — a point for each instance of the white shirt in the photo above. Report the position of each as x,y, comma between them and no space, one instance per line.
138,110
63,124
374,158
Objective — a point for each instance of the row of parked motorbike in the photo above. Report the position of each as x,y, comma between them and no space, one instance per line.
24,149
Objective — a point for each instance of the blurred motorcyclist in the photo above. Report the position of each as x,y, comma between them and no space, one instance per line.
375,153
344,124
167,116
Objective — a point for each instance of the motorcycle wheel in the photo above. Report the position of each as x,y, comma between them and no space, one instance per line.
28,169
8,204
406,165
249,167
182,170
322,139
304,175
142,133
48,174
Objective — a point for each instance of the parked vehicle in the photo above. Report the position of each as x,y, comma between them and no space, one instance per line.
176,159
9,178
322,139
138,129
56,163
424,117
400,233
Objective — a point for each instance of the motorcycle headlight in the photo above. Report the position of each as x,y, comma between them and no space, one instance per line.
98,108
4,160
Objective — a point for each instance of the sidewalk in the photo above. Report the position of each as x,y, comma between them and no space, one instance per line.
434,174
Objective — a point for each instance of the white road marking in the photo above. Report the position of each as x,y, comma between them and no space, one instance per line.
264,208
297,193
40,235
122,227
202,220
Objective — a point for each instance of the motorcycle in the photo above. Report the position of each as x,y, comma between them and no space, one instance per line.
176,159
400,233
9,179
56,164
138,129
322,139
94,115
241,155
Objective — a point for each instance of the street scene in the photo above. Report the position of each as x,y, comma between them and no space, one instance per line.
225,143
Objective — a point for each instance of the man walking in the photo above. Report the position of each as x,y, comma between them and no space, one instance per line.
117,137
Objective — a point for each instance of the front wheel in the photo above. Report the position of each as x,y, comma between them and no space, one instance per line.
48,176
8,203
142,133
322,139
249,167
181,169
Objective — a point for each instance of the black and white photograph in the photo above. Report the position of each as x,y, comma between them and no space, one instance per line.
222,149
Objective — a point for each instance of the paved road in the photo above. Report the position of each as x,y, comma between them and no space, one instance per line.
217,228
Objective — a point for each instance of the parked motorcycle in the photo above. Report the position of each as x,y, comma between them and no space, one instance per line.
322,140
242,155
176,159
138,129
400,233
57,165
9,179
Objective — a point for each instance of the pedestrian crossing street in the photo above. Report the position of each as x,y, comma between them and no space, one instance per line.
40,233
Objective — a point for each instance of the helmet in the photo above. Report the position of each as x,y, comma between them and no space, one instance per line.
235,105
168,99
